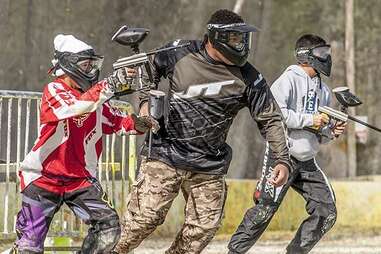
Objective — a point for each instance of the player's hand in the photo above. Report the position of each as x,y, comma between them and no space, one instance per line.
145,123
121,81
319,120
280,175
131,72
339,129
144,110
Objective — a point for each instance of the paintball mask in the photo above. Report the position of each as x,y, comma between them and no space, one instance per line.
83,67
318,57
233,41
76,59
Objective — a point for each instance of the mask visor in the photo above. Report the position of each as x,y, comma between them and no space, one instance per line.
322,52
238,40
90,66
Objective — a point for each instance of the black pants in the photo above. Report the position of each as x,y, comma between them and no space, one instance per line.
309,181
89,203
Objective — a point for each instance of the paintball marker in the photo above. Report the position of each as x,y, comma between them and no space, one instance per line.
132,37
346,99
156,111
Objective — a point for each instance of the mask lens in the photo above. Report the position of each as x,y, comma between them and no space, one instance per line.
90,66
237,40
322,52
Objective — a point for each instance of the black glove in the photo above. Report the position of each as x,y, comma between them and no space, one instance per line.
145,123
120,82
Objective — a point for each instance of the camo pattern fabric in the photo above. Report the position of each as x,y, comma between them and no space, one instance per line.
151,196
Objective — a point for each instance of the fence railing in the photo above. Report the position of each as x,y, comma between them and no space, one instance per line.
19,125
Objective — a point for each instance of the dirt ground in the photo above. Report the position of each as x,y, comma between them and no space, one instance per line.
368,245
355,245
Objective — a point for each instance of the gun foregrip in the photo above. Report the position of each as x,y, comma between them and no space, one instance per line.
333,113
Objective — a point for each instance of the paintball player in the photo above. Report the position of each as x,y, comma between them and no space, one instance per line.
299,91
210,81
61,167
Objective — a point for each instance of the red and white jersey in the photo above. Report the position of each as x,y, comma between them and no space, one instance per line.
70,135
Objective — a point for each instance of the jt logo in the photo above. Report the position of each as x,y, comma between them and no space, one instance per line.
208,89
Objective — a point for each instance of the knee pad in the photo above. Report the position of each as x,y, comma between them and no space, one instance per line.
260,214
328,214
329,222
102,237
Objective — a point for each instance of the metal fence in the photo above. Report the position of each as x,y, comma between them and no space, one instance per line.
19,125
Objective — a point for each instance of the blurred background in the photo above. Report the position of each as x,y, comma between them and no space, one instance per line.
27,29
352,27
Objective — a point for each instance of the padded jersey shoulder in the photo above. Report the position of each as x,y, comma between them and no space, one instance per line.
166,60
252,77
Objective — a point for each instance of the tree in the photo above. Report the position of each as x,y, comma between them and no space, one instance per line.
350,77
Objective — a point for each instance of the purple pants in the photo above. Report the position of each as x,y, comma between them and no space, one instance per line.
90,204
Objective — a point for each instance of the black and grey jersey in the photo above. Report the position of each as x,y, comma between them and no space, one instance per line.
203,99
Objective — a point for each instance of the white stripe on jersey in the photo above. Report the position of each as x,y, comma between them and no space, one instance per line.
258,80
34,159
89,144
70,106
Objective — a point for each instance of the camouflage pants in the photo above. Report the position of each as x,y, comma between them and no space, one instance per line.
151,197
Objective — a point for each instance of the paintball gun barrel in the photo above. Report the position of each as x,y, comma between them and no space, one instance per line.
141,58
333,113
337,115
346,99
131,61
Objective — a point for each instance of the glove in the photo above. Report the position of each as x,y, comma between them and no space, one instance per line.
120,83
145,123
319,121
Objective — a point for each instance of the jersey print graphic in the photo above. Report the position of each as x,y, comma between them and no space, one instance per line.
80,119
311,101
208,89
259,79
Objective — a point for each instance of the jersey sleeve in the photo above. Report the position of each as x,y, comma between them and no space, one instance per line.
115,121
265,111
58,102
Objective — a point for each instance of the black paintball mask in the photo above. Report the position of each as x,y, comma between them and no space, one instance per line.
318,57
233,41
83,67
